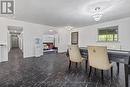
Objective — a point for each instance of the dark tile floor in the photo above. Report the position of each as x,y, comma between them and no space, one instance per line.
51,70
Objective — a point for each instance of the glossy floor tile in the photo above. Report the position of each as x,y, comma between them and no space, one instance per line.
51,70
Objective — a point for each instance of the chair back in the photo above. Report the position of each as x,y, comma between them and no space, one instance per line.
98,57
74,53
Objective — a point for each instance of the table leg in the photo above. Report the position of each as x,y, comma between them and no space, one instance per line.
90,71
126,75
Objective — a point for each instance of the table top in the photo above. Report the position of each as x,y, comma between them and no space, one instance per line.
113,50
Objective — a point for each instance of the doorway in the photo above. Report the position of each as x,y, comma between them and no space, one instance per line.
15,37
15,43
50,44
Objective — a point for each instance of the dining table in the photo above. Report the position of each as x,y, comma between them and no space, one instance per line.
115,55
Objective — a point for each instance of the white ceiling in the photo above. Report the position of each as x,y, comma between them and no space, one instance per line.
76,13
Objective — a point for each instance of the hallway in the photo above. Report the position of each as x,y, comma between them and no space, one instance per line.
15,53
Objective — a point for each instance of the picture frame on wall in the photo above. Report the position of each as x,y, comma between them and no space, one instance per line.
74,38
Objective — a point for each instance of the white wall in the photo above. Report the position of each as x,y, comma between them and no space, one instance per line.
64,39
21,41
88,35
30,31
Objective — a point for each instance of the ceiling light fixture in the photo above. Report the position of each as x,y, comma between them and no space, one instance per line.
97,14
51,30
69,28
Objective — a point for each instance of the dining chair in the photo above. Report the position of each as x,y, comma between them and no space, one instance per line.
75,56
98,59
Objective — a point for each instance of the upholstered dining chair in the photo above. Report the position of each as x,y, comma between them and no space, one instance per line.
98,59
75,56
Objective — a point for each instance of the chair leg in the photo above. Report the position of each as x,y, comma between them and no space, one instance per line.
76,64
111,73
69,64
95,70
102,76
90,71
86,65
117,67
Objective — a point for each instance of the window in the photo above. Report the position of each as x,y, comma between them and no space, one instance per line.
108,34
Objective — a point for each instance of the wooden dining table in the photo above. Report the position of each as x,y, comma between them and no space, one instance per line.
118,56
